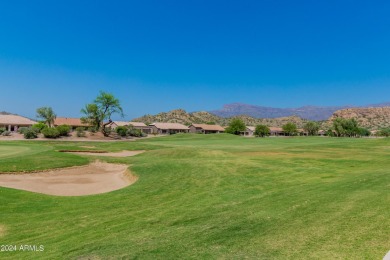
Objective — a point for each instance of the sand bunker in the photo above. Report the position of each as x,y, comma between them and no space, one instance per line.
99,153
95,178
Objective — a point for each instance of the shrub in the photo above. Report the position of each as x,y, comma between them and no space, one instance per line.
80,132
135,132
64,130
6,133
92,129
2,130
384,132
29,133
39,127
121,131
22,130
50,133
262,131
363,131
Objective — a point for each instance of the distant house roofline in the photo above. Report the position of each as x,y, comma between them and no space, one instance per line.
69,121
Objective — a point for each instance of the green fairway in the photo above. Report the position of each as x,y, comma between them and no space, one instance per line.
209,196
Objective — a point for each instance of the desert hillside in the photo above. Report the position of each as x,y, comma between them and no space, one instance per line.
372,118
316,113
181,116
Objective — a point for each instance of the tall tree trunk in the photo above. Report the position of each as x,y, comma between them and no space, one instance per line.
104,128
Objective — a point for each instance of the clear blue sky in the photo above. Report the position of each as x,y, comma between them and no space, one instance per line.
197,55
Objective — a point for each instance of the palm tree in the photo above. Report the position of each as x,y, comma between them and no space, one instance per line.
47,114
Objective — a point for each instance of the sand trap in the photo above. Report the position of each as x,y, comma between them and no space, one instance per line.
95,178
97,153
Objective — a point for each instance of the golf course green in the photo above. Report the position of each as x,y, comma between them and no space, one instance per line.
208,197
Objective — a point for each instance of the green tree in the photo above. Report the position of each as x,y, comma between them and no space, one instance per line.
290,129
338,126
236,126
346,127
102,108
47,114
262,131
312,128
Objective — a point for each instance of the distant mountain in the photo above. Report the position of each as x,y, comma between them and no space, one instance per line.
316,113
181,116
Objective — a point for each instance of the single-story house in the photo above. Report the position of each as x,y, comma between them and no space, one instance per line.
13,122
276,131
115,124
141,126
72,122
250,131
168,128
302,132
137,125
206,129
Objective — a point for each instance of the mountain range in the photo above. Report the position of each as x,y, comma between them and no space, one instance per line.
316,113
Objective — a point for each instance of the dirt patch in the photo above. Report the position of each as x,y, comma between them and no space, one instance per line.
95,178
104,153
2,230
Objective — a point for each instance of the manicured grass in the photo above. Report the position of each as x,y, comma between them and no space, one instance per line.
216,196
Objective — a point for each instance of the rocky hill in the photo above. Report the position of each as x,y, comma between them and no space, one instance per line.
372,117
316,113
181,116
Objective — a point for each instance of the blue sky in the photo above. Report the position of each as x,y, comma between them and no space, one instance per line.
197,55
